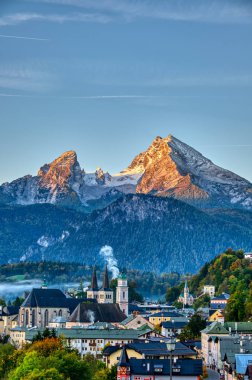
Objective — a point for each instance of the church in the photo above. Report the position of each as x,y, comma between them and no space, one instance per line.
106,295
186,298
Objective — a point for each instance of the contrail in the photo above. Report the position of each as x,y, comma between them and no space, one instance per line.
95,97
24,38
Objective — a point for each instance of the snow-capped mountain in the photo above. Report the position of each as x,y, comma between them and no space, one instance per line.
168,168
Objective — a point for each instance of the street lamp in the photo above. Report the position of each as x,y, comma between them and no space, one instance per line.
170,344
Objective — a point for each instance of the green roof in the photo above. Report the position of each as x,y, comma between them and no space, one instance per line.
80,333
239,326
216,328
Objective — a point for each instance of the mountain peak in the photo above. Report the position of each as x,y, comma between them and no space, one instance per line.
68,158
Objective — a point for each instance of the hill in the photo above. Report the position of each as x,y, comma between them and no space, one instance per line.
146,232
231,273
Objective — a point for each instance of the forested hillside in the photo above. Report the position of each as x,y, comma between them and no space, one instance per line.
231,273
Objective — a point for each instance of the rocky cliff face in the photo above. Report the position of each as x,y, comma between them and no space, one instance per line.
168,168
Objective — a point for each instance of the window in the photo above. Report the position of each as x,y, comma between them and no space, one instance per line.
33,318
60,313
46,318
26,317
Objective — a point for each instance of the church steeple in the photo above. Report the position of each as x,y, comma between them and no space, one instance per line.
94,283
105,284
123,366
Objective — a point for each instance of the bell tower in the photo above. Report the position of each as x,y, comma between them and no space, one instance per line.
122,293
123,366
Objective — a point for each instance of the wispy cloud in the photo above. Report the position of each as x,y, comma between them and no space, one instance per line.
176,10
17,18
25,77
23,37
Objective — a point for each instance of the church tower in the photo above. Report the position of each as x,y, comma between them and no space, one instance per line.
186,294
122,293
105,294
93,290
123,366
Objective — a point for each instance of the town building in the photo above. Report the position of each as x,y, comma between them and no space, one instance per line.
86,314
90,340
148,349
186,298
104,295
173,327
248,256
135,322
42,305
209,290
219,339
216,315
164,316
8,316
219,302
142,369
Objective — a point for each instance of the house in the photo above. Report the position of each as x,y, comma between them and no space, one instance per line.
17,336
209,290
164,316
219,302
216,315
147,349
149,308
86,314
8,315
135,321
42,305
238,366
215,329
173,327
248,256
91,340
143,369
228,339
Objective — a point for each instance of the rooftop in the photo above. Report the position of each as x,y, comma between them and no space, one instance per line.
183,367
97,312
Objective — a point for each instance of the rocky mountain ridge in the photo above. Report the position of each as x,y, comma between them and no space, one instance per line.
168,168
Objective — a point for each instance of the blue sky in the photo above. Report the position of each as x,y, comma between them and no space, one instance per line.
104,77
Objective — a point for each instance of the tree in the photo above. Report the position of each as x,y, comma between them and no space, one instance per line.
193,329
6,352
172,294
235,309
202,302
18,301
49,359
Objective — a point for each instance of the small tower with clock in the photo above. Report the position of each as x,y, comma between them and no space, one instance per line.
123,366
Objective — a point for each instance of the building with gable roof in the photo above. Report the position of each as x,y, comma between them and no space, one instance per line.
186,298
150,368
43,305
